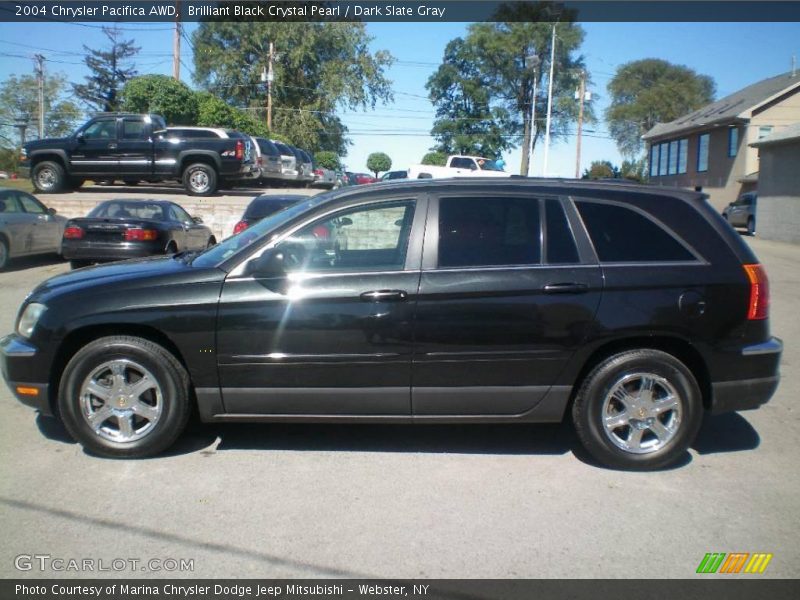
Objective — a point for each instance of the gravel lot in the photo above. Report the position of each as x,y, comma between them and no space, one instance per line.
274,501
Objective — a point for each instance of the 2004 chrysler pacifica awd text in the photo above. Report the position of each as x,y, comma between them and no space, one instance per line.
634,309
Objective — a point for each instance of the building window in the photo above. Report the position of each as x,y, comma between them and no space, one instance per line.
654,160
764,131
663,159
733,141
702,153
683,155
673,157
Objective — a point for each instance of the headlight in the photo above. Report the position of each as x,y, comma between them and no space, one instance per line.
29,318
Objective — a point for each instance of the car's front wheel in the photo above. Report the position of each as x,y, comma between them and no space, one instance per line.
48,177
124,397
639,410
200,179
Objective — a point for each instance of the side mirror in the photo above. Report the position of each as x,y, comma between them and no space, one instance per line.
51,211
269,264
81,138
198,220
344,222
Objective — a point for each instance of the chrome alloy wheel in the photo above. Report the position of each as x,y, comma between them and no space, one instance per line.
121,401
46,178
199,181
641,413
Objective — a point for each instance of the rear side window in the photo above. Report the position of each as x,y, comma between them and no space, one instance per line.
561,248
483,232
620,234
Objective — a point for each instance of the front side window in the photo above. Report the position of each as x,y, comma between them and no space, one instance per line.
367,238
31,205
702,153
178,214
483,232
620,234
101,130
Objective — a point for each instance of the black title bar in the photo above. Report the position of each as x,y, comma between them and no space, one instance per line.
159,11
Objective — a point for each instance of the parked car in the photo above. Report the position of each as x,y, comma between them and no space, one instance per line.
742,212
289,165
390,175
3,175
263,206
270,160
459,166
631,308
324,178
121,229
305,168
134,147
363,178
27,226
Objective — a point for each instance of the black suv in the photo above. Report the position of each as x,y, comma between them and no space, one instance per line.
633,309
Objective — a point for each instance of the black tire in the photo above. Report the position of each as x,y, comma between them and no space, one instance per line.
200,179
78,264
751,226
155,434
4,253
48,177
172,248
212,241
594,404
130,182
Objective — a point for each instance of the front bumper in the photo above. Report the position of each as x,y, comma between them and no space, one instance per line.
17,355
750,393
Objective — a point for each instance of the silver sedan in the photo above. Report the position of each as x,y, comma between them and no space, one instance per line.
27,226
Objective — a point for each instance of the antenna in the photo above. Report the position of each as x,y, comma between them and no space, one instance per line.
794,65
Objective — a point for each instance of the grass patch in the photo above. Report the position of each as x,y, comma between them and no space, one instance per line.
24,185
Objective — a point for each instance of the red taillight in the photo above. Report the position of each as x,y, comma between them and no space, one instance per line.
759,292
240,227
73,233
321,232
318,172
140,235
239,149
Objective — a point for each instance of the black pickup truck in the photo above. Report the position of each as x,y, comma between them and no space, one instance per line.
132,148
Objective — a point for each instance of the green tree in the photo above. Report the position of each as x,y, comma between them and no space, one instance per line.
328,160
318,69
378,162
435,159
460,92
635,170
110,69
19,99
650,91
161,95
601,169
213,112
485,77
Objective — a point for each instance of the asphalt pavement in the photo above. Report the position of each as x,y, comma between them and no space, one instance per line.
489,501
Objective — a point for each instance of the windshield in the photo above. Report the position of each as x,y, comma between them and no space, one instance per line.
230,246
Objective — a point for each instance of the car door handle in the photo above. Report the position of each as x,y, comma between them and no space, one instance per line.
566,288
384,296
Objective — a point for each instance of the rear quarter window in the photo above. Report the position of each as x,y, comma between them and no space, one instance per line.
621,234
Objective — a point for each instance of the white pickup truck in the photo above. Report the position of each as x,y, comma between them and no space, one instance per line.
458,166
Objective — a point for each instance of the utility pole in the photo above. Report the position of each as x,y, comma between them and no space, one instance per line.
40,80
532,62
270,77
176,51
581,94
549,102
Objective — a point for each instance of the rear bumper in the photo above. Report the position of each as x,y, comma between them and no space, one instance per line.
747,394
105,252
16,357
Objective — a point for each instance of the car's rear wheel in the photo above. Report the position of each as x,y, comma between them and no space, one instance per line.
639,410
4,253
48,177
200,179
124,397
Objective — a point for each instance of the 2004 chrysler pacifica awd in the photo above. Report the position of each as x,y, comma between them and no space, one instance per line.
634,309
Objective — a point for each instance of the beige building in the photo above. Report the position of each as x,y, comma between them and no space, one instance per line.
710,148
778,206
